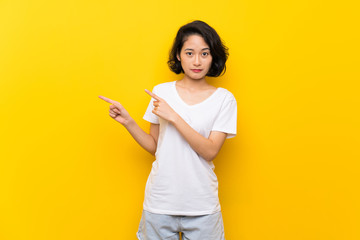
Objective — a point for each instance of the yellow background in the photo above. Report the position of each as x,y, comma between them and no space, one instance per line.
69,171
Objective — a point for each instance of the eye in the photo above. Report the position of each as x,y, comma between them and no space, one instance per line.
206,53
188,52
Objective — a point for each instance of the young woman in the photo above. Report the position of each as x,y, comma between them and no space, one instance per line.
190,120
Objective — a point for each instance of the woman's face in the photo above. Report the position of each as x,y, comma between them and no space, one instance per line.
195,54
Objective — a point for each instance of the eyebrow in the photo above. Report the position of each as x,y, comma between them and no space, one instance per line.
193,49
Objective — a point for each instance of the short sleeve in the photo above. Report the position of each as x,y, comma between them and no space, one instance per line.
226,120
149,115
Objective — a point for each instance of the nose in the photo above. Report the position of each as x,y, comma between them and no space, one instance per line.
197,60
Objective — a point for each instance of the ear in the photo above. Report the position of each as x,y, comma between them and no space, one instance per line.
178,57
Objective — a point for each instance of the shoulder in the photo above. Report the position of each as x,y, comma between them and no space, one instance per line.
163,86
228,96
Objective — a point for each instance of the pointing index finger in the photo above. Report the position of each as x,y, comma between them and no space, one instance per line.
107,99
152,95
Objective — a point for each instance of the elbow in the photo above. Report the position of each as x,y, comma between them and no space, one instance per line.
212,150
209,159
210,156
153,151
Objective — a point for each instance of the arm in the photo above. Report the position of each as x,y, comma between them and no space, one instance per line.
207,148
145,140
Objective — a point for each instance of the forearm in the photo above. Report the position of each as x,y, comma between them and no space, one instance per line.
144,139
202,145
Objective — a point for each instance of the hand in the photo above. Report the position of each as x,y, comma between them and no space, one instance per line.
162,108
117,111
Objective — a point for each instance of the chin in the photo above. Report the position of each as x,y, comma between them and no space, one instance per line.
194,76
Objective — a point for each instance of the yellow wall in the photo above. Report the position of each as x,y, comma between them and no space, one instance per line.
69,171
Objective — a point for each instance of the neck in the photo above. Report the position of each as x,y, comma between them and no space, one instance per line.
193,83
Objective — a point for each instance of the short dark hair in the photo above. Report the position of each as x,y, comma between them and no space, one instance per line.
218,50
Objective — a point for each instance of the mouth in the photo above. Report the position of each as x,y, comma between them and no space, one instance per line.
196,70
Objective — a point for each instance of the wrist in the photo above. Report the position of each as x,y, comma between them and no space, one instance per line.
128,122
175,119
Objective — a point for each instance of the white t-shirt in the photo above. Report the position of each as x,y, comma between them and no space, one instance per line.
181,182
